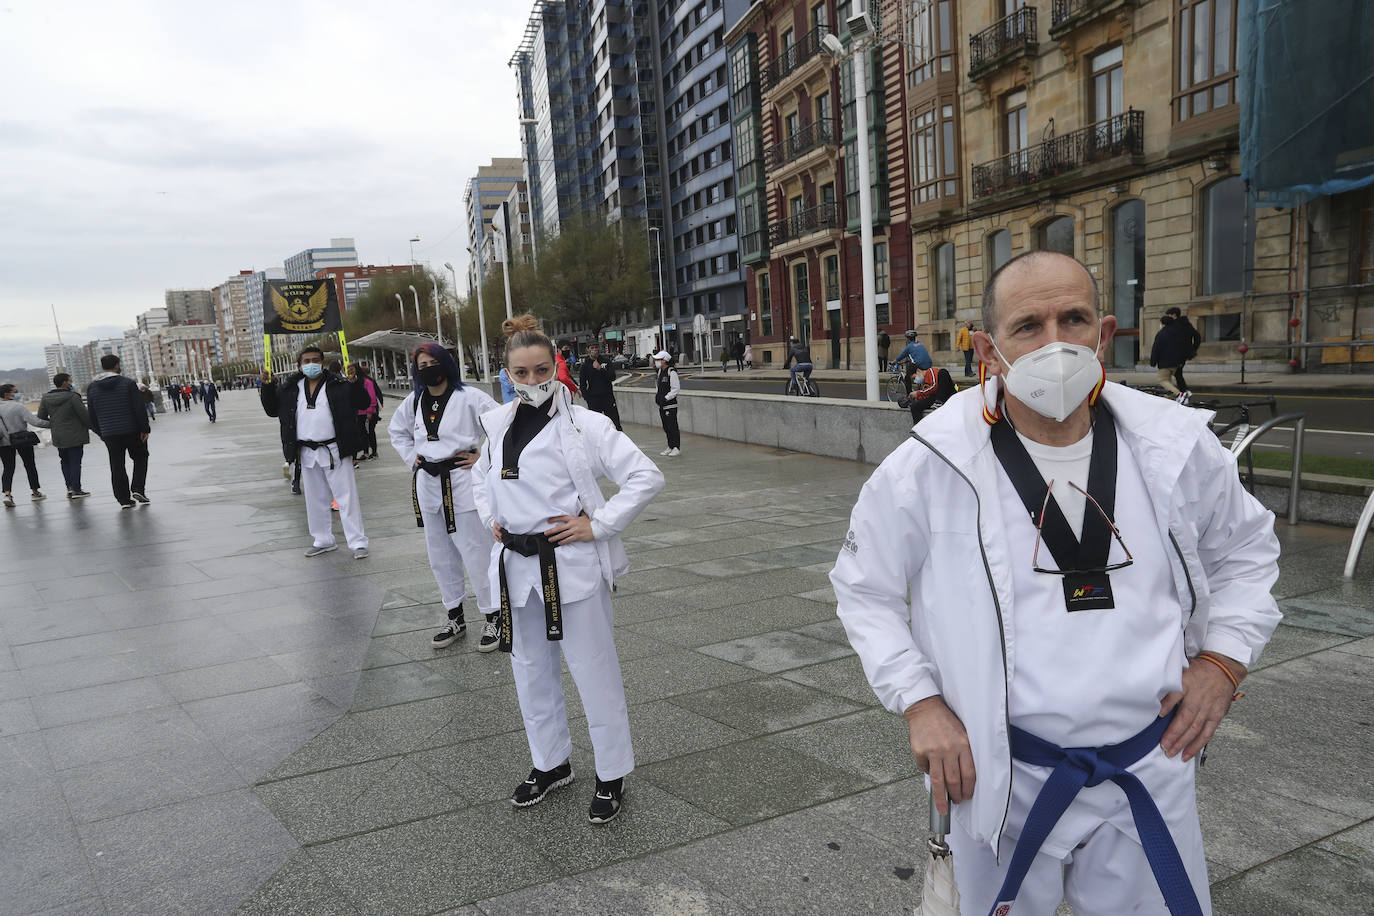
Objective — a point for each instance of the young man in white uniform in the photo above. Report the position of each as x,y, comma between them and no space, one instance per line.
319,431
1084,570
436,431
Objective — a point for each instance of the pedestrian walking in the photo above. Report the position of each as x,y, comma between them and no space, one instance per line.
666,398
737,351
964,343
71,430
724,358
597,378
17,441
1002,523
174,395
119,417
149,401
749,355
209,396
883,343
317,437
1191,341
436,431
1167,353
565,361
367,419
555,564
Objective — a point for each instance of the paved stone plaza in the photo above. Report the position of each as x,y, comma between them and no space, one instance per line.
194,718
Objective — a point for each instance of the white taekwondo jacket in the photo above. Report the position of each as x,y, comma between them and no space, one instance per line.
923,526
593,448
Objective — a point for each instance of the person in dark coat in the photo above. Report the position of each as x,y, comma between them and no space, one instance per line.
1191,338
209,396
737,351
883,343
1168,352
598,383
71,430
119,417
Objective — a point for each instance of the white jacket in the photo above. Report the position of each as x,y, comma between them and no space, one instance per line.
921,528
593,448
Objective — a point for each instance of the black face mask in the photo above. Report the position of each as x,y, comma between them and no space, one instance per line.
432,376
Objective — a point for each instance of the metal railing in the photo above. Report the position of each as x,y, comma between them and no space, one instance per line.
1357,540
1239,448
1121,135
825,216
1064,10
820,132
1012,33
791,58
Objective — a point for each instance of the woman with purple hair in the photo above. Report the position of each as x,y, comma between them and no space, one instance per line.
436,431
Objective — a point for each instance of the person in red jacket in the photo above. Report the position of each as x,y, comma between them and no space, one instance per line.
565,357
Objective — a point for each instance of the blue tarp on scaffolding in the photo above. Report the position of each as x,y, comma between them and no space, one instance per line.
1306,98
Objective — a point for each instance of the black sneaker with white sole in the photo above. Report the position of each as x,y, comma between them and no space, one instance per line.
606,800
455,627
540,783
491,634
140,498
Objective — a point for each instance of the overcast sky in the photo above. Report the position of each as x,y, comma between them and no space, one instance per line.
156,144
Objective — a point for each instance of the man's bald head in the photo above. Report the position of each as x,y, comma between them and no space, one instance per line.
1030,261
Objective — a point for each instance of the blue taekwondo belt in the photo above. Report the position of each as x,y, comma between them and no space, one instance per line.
1079,767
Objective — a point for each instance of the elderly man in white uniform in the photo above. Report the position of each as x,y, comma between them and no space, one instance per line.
1062,606
436,431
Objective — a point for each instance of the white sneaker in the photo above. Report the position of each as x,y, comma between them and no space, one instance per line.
666,451
312,552
673,452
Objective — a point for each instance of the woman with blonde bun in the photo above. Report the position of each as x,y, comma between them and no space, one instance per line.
557,557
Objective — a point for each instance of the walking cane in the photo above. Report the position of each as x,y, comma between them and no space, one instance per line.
939,893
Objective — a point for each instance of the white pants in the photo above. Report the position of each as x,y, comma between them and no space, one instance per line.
1106,875
318,482
468,548
589,649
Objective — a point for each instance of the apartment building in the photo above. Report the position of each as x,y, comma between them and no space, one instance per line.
485,194
234,321
189,306
303,264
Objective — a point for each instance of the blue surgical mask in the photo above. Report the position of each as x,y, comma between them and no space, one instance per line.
312,370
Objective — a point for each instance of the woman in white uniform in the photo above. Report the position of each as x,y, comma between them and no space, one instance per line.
557,557
436,431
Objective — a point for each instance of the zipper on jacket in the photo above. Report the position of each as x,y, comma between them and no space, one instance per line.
1188,577
1001,636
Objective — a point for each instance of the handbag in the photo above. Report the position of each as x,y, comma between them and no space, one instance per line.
25,437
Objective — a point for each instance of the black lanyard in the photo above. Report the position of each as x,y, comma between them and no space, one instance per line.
433,411
309,397
529,422
1087,589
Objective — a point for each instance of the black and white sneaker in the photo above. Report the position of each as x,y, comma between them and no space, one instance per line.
491,634
541,783
455,627
140,498
606,800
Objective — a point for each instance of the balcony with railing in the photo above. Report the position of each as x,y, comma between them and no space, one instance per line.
816,219
1122,135
1008,38
805,48
820,132
1067,15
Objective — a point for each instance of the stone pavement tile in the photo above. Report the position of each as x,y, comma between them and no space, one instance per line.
33,806
65,649
343,742
830,630
796,557
442,720
98,702
1328,612
254,753
354,799
340,658
12,686
1293,642
1245,826
395,599
44,869
470,669
409,617
378,655
844,677
90,906
338,689
728,567
775,651
1309,572
299,888
215,887
658,676
244,569
7,662
1334,877
40,623
412,646
1312,536
802,864
24,759
700,551
116,787
873,744
59,588
764,705
73,674
130,735
17,717
651,820
159,845
757,587
490,768
661,730
231,677
703,628
162,576
750,780
253,709
638,582
400,684
432,864
264,618
824,595
635,608
197,652
640,887
1363,647
318,634
896,813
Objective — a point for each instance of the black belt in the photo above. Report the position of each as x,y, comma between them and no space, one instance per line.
302,445
441,470
528,545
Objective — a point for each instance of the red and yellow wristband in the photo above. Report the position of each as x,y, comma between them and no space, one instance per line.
1235,684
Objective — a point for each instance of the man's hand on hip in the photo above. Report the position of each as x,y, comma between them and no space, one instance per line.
941,748
1202,704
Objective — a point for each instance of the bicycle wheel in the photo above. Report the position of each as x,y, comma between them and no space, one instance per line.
895,389
815,389
790,389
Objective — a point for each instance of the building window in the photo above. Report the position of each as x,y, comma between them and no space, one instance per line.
832,277
999,250
1056,235
1206,57
880,267
1107,101
765,306
933,148
818,18
943,258
1128,279
1226,245
1221,327
801,289
823,110
931,41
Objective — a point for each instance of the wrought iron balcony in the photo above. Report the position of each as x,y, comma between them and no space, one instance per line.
820,132
1066,15
791,58
1118,136
815,219
1004,37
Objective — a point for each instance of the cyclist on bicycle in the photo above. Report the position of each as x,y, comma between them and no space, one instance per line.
914,357
801,354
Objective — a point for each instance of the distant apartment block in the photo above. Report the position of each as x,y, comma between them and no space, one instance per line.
304,264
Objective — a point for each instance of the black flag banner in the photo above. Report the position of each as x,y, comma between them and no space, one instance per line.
305,307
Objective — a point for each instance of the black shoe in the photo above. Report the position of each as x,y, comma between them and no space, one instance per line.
140,498
126,505
606,800
541,783
491,634
455,627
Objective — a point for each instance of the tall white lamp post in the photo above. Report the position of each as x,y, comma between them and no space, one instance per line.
860,29
402,303
417,306
481,312
412,253
457,321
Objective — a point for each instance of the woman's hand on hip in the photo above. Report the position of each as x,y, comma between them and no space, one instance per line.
568,529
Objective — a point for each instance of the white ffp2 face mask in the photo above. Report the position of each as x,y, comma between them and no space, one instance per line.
1054,379
535,395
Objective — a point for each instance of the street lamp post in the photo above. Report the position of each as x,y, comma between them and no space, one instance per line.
412,253
417,306
481,312
438,322
859,27
402,303
662,311
457,322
